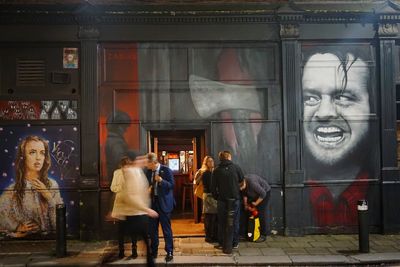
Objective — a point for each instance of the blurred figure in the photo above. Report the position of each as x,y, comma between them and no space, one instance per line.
162,184
225,187
131,205
116,146
256,194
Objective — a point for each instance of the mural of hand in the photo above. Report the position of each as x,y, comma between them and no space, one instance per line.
25,228
41,188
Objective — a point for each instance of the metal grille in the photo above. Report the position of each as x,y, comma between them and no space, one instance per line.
31,72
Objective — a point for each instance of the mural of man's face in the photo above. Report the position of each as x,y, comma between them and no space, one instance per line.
336,107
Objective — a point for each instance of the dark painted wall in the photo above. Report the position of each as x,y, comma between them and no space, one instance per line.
308,106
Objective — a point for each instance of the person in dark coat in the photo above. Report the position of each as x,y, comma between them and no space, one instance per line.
256,194
225,187
162,184
116,146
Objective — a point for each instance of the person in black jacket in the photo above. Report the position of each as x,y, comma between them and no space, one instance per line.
225,186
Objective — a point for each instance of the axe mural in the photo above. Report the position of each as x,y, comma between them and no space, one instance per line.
234,98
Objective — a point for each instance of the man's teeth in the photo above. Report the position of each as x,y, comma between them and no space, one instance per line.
329,130
329,139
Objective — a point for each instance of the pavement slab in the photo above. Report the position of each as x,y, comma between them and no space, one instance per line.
320,259
194,251
263,260
272,251
250,252
296,251
377,257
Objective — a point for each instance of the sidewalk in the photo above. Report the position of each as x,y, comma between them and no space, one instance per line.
277,250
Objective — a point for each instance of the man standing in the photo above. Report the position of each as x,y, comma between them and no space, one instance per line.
162,183
225,187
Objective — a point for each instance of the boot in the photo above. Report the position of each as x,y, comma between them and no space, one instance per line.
121,254
134,252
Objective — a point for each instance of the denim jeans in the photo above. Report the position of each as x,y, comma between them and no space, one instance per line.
222,216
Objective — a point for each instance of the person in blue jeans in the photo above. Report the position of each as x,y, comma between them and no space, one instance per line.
225,186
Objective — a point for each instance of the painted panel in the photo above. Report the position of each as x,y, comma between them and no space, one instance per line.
39,110
119,107
40,167
340,132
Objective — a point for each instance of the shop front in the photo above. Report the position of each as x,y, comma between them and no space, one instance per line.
305,99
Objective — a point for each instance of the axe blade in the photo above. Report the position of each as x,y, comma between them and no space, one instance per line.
211,97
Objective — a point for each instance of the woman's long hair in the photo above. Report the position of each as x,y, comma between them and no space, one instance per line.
20,180
204,166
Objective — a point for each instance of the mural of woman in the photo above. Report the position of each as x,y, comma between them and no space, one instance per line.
27,206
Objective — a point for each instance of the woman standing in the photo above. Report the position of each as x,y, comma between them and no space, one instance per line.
28,206
204,175
131,205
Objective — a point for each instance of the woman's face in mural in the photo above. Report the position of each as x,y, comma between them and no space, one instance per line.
334,110
35,154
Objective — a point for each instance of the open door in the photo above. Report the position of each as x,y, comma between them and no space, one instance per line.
194,170
181,151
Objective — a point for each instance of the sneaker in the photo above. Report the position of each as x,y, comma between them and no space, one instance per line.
261,239
235,246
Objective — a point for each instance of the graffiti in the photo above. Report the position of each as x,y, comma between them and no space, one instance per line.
337,106
62,151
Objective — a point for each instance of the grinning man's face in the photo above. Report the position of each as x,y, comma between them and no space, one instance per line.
335,113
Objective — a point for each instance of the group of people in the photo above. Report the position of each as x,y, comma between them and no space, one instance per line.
144,188
225,184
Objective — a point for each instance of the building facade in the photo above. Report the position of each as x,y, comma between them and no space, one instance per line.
305,94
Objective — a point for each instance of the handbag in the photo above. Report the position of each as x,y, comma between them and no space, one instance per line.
253,228
199,188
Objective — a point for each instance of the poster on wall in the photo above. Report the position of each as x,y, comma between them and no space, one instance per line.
339,130
38,164
70,58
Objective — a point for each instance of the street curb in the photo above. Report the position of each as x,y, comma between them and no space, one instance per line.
293,260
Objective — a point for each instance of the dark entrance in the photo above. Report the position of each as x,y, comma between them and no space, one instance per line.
182,151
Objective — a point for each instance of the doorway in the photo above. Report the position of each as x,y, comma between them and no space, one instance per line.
182,151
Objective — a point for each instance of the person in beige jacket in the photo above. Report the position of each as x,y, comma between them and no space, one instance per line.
131,204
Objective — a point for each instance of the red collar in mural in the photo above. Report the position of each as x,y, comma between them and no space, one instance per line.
340,212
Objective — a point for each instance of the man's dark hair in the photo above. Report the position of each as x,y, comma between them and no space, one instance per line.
363,52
